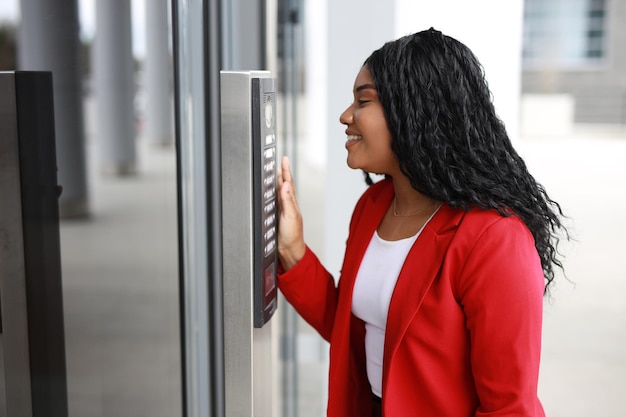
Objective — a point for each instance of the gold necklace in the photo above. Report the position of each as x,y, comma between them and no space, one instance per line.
395,213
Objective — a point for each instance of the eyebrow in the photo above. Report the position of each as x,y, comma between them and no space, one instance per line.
365,87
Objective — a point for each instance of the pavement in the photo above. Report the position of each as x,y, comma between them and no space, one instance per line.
583,369
121,288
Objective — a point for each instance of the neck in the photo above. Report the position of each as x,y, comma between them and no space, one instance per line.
411,213
407,199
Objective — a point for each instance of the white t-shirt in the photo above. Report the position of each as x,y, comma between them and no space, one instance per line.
371,296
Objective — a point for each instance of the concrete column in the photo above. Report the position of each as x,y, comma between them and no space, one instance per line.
158,116
114,88
48,40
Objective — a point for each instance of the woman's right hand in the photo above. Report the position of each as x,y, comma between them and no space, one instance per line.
291,246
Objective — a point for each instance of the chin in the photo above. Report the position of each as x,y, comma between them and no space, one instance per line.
352,165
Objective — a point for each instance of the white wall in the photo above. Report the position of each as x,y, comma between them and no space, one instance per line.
340,36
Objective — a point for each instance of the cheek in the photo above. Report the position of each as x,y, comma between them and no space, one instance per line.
379,124
372,120
384,135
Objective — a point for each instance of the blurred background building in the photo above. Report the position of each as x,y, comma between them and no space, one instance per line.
557,70
573,59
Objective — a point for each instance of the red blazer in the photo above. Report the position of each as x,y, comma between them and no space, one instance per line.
463,331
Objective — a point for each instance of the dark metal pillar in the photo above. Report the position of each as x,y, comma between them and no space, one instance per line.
32,337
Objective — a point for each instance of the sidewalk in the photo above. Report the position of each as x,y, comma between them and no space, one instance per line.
584,357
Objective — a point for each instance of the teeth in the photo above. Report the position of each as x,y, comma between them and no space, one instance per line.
354,137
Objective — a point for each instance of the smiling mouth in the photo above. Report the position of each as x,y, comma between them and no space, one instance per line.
352,139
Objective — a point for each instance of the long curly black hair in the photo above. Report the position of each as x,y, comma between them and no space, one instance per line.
449,141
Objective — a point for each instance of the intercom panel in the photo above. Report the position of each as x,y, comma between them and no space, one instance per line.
264,198
249,194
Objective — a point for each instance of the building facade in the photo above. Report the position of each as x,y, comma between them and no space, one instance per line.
574,49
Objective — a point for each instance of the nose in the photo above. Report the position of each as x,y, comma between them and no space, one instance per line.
346,117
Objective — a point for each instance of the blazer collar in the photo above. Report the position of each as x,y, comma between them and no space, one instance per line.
419,270
428,249
446,218
416,277
418,273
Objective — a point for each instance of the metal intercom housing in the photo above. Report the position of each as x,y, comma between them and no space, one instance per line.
249,225
249,186
32,343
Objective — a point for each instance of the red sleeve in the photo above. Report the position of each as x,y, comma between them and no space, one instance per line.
311,290
501,291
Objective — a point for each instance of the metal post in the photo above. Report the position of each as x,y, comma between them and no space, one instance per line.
158,81
30,259
16,395
197,62
289,16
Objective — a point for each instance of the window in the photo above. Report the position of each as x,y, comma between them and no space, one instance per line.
564,32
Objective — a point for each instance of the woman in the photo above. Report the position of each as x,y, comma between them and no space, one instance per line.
438,309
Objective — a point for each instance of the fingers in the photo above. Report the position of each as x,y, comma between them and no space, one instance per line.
291,245
285,176
288,202
286,168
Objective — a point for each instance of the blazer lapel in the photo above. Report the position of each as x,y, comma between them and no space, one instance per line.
371,215
417,275
367,216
